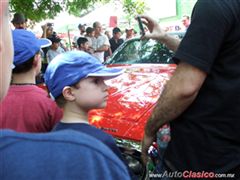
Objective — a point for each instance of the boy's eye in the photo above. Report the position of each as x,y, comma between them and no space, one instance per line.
96,81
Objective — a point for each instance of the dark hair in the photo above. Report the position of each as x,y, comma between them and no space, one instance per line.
24,67
61,101
95,24
116,30
81,40
81,25
19,18
89,30
54,38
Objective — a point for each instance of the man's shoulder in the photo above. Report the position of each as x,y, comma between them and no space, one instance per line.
111,39
102,36
61,150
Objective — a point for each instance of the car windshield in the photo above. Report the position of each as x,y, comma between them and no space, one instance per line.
137,51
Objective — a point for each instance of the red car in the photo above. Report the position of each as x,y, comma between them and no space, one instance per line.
133,95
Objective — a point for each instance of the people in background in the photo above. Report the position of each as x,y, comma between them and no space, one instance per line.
186,21
55,48
83,45
129,33
47,30
116,40
107,53
100,42
19,21
89,35
82,31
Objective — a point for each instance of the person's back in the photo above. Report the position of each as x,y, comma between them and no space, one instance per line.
27,108
92,131
59,155
209,128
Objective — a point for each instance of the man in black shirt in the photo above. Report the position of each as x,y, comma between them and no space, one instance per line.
201,101
115,41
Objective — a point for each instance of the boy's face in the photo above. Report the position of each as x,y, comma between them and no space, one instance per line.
6,49
117,35
84,46
20,25
55,45
92,34
91,93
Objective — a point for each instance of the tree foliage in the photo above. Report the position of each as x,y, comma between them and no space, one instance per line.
38,10
133,8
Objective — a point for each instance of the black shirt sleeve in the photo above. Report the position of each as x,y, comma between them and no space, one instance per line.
205,35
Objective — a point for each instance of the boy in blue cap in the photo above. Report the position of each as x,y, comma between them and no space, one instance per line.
27,108
76,81
56,155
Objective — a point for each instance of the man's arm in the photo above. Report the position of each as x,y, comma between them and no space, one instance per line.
179,93
102,48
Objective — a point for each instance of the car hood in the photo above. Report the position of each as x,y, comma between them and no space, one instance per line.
132,97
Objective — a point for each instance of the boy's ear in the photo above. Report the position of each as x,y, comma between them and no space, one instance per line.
36,60
68,94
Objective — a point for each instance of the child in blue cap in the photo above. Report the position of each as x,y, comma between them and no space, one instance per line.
28,108
76,81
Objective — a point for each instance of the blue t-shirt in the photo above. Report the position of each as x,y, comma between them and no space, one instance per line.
92,131
58,155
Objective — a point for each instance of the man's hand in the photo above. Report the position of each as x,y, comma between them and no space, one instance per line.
156,32
146,143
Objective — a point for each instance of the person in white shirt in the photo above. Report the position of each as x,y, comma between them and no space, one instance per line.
100,42
55,48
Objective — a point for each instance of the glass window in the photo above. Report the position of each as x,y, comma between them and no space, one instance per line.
137,51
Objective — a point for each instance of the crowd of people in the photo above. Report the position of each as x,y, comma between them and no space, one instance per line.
92,39
200,101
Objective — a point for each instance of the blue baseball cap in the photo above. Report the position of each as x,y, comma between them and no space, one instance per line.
69,68
26,45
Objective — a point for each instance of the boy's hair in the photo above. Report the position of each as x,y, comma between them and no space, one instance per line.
61,101
24,67
54,38
81,40
116,30
89,30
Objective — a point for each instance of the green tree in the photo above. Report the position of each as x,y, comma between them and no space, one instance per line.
133,8
38,10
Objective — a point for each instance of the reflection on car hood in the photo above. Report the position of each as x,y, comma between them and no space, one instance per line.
132,97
